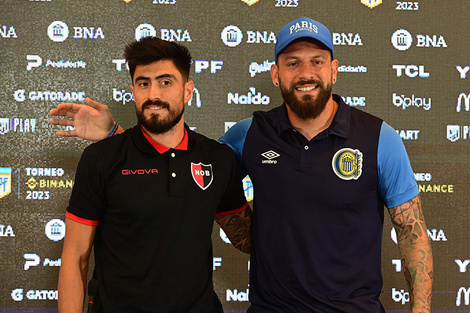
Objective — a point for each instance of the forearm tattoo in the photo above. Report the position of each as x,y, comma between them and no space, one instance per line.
416,254
237,227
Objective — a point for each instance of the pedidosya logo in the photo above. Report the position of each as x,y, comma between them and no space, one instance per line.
347,163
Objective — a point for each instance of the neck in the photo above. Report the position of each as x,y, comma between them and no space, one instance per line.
312,127
171,138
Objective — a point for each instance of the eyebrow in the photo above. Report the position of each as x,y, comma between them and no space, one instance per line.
139,78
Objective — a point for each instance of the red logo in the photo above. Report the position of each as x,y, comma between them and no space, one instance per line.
139,171
202,174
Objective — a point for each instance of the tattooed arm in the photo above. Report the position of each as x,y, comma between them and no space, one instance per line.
237,227
415,251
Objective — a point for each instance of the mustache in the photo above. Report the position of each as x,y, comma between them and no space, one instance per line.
159,103
307,82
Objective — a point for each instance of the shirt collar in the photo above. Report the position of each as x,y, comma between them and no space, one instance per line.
339,126
161,148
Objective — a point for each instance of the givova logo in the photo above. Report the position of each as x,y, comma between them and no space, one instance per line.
58,31
145,30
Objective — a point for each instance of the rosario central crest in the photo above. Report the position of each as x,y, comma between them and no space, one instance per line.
202,174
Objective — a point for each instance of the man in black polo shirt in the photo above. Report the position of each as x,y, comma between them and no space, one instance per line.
147,199
322,173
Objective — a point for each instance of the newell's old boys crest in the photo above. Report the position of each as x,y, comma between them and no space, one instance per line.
371,3
202,174
347,163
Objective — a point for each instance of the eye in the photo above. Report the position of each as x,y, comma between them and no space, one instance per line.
165,82
143,84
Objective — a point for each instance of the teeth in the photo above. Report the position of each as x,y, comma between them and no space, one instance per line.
306,88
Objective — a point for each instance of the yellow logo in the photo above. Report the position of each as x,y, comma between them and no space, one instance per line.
250,2
347,163
371,3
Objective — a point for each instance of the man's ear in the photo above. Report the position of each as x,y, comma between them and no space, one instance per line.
188,90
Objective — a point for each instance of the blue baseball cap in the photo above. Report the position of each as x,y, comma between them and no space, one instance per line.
300,28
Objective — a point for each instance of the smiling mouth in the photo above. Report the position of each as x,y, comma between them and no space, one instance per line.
306,88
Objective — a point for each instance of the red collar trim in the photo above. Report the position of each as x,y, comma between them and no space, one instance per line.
161,148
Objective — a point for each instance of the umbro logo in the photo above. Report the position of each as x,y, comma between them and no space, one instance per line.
270,156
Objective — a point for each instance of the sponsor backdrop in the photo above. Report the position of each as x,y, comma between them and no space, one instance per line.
406,62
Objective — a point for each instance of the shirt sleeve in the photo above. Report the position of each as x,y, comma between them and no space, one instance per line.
233,200
235,139
397,183
87,201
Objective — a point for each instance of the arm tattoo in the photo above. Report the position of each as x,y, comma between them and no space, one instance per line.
415,250
237,227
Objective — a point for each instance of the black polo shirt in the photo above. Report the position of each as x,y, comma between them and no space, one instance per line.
319,208
154,213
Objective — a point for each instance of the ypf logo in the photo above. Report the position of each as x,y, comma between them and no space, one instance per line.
347,164
58,31
202,174
5,181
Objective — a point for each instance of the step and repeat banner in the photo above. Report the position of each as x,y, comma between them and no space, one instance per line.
406,62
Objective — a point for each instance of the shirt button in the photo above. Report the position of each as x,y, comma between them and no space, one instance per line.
173,175
306,147
173,154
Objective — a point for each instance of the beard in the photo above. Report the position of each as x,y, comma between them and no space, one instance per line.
156,125
306,107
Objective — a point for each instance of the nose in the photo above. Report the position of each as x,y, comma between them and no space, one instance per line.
307,71
154,92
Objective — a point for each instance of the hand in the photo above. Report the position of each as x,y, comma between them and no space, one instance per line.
92,122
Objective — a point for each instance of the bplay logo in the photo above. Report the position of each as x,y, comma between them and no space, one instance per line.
232,36
58,31
35,60
145,30
413,101
402,40
400,296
